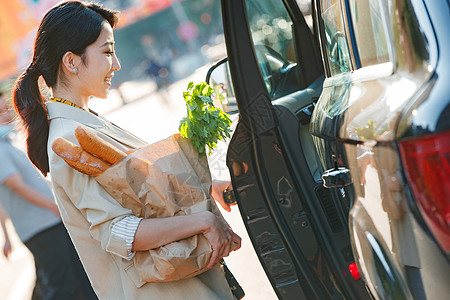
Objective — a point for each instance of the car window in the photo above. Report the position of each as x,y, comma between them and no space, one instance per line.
370,32
271,31
336,42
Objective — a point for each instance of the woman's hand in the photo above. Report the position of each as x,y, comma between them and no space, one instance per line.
217,189
7,248
7,245
221,237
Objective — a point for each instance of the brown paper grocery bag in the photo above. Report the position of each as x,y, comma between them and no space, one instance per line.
165,179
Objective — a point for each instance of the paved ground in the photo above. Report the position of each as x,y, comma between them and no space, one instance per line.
151,116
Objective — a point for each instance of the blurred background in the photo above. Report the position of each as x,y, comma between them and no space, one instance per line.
161,39
162,45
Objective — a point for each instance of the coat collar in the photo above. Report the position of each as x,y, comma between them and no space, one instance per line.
61,110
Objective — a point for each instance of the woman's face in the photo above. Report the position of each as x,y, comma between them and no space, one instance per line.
100,62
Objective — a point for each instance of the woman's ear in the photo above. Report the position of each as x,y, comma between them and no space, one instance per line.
70,62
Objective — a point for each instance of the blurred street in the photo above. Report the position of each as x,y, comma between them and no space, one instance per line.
152,116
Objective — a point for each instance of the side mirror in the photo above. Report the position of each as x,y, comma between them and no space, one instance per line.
219,78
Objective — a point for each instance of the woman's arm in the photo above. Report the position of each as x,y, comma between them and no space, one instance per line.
21,188
154,233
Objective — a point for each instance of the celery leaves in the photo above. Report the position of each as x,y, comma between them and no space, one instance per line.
204,124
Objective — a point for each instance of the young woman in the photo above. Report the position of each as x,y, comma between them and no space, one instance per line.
74,53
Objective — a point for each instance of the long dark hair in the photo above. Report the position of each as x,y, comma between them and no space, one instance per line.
69,26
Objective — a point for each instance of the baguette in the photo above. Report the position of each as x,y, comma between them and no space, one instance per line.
95,145
78,158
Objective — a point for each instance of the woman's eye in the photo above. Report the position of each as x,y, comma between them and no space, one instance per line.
110,52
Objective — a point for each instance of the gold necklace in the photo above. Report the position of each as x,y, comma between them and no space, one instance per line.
61,100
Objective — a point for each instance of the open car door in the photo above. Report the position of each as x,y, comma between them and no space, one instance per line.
298,228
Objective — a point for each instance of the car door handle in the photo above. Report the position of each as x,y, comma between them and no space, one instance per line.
337,177
229,197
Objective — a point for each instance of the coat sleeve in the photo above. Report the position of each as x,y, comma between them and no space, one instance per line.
100,210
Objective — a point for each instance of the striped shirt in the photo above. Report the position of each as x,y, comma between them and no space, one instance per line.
125,229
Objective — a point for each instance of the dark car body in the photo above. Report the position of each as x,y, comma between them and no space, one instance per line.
354,98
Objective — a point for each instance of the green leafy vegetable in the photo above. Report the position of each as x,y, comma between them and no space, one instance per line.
205,124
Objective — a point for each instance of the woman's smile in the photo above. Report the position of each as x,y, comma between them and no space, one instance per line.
108,80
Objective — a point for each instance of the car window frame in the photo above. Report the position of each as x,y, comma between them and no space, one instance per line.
385,24
321,28
384,69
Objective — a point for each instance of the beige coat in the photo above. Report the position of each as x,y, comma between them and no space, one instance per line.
89,212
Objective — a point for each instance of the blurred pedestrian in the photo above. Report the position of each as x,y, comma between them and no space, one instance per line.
157,64
28,201
74,53
223,92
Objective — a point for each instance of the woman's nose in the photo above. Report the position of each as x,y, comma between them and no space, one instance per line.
116,64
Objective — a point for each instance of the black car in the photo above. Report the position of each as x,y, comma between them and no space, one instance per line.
340,161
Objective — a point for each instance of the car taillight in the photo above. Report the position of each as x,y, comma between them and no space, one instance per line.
426,161
353,268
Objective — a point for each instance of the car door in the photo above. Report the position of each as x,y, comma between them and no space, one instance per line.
298,228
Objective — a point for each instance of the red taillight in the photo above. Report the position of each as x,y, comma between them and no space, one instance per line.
427,166
354,271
